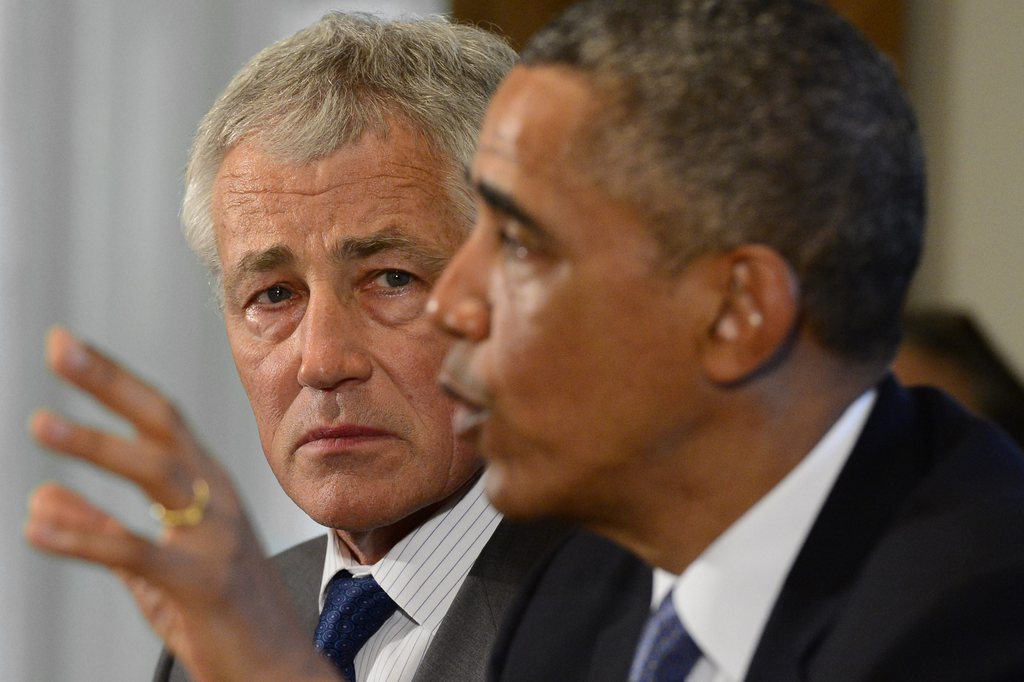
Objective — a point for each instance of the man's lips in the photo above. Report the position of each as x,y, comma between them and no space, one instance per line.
470,397
468,418
341,435
469,413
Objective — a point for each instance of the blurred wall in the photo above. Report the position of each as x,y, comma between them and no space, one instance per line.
98,103
965,71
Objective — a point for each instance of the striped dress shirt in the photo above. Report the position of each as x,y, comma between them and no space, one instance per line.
422,574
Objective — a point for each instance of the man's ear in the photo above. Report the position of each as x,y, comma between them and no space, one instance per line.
758,311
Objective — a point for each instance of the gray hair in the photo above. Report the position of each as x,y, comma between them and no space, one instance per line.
757,121
348,74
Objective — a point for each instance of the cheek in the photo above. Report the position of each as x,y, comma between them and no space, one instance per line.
269,404
413,361
275,325
535,340
555,378
270,384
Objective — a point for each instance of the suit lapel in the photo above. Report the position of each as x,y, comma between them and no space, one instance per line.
577,618
460,649
301,569
624,619
885,464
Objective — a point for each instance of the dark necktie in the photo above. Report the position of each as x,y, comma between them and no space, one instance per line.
666,652
354,609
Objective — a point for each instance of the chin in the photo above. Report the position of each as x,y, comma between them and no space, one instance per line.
354,520
349,509
519,499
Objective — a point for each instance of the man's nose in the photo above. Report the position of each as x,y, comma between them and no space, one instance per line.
458,301
332,345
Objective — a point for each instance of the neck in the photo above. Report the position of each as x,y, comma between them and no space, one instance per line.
367,547
754,438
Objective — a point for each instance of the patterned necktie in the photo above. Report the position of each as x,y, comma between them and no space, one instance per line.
354,609
666,652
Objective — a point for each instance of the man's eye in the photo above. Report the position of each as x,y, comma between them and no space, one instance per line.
395,279
513,246
275,294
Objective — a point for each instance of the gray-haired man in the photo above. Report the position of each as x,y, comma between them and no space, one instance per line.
325,193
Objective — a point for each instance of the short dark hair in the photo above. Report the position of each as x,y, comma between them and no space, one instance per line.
726,122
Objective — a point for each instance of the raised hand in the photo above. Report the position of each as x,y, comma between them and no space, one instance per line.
203,584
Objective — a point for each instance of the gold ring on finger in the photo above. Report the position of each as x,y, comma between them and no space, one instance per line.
186,516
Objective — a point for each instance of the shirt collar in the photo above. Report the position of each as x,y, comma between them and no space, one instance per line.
725,596
423,572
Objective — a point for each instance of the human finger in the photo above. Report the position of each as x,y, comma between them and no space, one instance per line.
59,506
162,475
62,522
168,473
116,387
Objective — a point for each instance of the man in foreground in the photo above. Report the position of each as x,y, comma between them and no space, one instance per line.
698,221
325,192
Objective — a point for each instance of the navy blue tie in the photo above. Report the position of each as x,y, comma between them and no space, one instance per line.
666,652
354,609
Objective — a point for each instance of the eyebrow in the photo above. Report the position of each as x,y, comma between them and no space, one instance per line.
430,256
255,262
503,202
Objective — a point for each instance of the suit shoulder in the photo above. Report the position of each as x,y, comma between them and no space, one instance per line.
579,615
314,547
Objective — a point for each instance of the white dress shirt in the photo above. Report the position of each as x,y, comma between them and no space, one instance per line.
725,596
422,574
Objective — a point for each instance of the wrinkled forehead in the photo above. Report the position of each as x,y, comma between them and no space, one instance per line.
375,183
262,157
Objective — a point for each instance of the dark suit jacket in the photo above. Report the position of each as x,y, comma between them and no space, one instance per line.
461,646
913,570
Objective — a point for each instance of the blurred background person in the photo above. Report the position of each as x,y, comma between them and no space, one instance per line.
948,349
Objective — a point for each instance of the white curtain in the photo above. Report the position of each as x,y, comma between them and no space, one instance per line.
98,101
